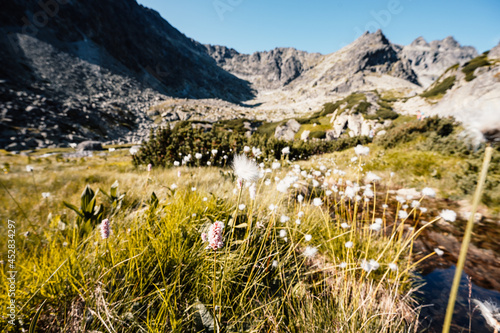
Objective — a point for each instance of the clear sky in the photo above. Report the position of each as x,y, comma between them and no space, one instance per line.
327,25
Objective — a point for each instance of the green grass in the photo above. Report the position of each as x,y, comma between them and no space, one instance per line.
154,273
469,67
438,89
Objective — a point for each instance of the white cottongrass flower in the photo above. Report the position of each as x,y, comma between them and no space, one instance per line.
369,266
193,189
328,193
404,206
372,178
400,199
45,195
349,192
214,151
209,163
317,202
73,145
317,173
375,227
490,312
384,206
205,199
345,226
393,267
297,221
315,183
177,163
310,251
267,182
285,151
349,244
429,192
105,229
300,214
378,220
198,156
283,233
214,236
343,264
354,159
275,263
275,165
246,149
272,207
133,150
256,152
448,215
284,219
438,251
402,214
307,238
423,210
368,193
111,149
245,169
361,150
415,204
242,207
173,186
29,168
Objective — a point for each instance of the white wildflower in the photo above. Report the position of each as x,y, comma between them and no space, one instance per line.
361,150
283,233
285,151
393,267
317,202
276,165
284,219
246,149
307,238
375,227
438,251
310,251
349,244
448,215
241,207
29,168
245,169
429,192
343,264
345,226
402,214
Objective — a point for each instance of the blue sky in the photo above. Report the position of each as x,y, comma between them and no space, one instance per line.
327,25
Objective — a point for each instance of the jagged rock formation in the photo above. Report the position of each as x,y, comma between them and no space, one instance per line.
430,60
472,97
76,70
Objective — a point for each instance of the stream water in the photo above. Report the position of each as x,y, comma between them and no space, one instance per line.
434,298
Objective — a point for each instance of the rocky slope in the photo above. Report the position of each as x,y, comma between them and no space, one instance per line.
430,60
74,70
470,93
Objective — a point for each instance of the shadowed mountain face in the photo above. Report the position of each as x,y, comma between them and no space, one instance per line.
92,67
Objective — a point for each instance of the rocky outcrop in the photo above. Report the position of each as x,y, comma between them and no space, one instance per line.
92,70
287,131
495,52
430,60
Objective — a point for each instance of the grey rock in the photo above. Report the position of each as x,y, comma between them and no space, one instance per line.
287,131
495,52
89,146
305,135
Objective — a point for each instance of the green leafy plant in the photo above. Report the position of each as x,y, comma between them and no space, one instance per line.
89,214
115,198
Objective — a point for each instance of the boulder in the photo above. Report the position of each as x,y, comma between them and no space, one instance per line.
305,135
287,131
89,146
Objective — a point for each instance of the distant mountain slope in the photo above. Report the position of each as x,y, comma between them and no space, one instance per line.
96,59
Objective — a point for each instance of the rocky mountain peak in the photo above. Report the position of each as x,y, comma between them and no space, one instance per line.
420,41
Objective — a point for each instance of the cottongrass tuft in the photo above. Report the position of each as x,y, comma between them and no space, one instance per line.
429,192
245,168
349,245
393,267
369,266
448,215
438,251
308,237
284,219
317,202
490,312
310,251
361,150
